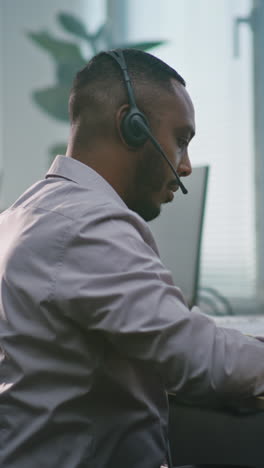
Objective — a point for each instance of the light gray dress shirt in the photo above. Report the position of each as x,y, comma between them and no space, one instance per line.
93,332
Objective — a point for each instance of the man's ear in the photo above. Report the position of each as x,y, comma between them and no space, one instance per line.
120,114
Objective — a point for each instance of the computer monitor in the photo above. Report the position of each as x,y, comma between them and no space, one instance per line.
178,233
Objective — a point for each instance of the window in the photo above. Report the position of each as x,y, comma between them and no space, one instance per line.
201,47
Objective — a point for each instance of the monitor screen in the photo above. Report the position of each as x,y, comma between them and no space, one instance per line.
178,233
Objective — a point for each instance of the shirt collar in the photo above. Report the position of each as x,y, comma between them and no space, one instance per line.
74,170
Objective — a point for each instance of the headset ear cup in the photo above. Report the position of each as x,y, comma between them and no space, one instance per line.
132,134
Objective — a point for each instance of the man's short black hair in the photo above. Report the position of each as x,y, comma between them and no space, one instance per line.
102,74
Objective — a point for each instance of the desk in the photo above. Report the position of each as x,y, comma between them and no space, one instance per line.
211,436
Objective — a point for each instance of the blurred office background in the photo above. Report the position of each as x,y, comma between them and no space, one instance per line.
213,44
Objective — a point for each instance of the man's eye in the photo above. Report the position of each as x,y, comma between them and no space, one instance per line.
182,143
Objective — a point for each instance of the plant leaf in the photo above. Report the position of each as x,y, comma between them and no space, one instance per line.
66,71
54,101
100,31
62,51
142,45
73,25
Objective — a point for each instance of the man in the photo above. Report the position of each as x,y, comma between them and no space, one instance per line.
93,331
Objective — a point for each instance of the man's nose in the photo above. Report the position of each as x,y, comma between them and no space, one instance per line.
185,167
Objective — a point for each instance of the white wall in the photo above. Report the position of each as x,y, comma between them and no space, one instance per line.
26,132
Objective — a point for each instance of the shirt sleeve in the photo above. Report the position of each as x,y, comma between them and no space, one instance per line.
112,280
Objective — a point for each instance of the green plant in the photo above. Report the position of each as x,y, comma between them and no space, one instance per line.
68,58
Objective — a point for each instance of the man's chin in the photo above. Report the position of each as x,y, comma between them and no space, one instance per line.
148,212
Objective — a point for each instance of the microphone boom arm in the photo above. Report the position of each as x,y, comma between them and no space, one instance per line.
138,122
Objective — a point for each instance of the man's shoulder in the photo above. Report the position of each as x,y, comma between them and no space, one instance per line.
65,198
65,205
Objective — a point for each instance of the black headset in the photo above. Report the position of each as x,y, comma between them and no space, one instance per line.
135,127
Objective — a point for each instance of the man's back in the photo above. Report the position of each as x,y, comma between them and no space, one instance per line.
66,389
